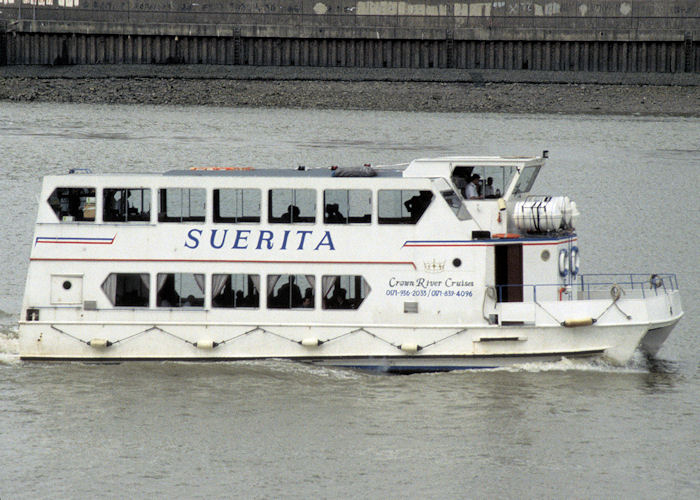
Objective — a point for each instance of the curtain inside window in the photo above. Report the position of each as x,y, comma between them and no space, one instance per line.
255,278
311,279
199,279
145,280
271,282
218,282
161,280
327,283
110,288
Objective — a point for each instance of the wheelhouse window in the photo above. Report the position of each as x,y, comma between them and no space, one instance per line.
127,205
181,205
402,206
344,292
127,289
526,180
180,290
292,206
290,291
492,183
347,206
237,205
235,290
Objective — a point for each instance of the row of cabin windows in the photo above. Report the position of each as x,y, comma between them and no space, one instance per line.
284,291
295,206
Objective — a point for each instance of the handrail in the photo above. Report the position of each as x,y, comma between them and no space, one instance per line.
587,283
634,278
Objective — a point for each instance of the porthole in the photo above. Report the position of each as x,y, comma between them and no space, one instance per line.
457,262
67,285
545,255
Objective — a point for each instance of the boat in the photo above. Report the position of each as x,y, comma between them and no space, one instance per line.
439,264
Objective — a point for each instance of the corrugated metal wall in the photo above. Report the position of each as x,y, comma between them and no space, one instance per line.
604,56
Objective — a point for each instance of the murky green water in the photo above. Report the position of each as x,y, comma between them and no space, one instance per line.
278,429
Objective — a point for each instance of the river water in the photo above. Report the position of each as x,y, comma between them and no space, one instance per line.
280,429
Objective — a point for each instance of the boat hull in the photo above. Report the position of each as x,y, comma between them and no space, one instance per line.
374,347
653,340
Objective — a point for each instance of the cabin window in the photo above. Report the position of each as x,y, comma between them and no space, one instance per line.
181,205
290,291
236,205
344,292
180,290
347,206
402,206
235,290
127,289
292,205
73,204
126,205
453,200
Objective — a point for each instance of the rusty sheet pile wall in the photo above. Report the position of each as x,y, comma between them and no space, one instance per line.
564,35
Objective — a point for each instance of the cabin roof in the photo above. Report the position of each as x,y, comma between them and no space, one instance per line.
419,168
423,167
443,166
275,172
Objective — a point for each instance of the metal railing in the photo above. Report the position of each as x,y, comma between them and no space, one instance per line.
595,286
646,283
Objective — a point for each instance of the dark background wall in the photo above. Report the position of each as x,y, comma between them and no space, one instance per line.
564,35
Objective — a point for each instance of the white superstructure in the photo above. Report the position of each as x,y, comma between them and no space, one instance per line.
389,268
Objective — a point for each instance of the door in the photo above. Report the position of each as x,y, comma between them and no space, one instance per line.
509,273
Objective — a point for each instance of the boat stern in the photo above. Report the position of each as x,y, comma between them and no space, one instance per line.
654,305
664,314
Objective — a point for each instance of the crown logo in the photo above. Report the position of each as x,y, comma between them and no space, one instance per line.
434,266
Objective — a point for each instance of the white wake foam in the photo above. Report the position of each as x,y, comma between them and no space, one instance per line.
9,343
637,365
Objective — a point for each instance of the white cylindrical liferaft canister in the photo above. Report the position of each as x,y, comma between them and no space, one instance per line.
574,215
543,214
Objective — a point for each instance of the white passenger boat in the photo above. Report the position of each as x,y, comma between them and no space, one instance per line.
440,264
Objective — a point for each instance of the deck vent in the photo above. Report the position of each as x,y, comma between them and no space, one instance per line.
481,235
410,307
90,305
